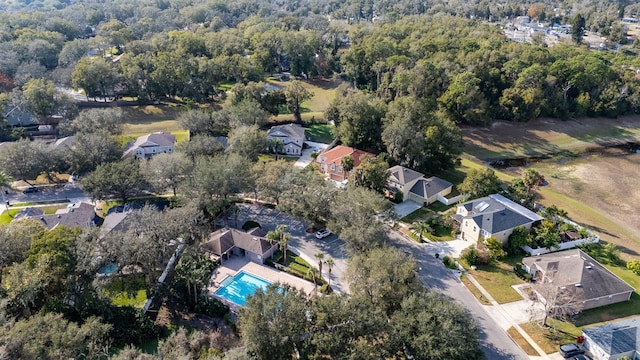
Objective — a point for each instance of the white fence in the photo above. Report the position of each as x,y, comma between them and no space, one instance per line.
450,201
561,246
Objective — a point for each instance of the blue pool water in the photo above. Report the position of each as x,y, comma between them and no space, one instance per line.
110,268
237,288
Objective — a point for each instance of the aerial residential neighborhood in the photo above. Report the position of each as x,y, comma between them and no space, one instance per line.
355,179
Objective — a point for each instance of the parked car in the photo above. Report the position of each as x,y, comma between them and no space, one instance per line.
321,234
570,350
30,189
582,357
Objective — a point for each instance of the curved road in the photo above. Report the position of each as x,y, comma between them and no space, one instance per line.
494,341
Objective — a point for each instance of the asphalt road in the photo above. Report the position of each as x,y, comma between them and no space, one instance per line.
494,341
69,192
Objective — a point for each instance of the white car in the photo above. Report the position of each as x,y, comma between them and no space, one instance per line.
321,234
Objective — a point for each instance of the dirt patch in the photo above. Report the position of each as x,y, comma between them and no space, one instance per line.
605,189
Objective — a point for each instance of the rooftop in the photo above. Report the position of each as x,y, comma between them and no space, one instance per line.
79,214
617,337
403,175
336,154
224,239
288,130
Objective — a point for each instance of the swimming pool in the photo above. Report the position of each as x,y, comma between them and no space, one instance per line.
237,288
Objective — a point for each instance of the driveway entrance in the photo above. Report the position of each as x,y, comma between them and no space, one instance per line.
405,208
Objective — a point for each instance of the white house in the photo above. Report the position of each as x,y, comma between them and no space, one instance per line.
291,136
151,144
615,340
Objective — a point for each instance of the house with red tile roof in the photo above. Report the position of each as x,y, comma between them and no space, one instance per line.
331,161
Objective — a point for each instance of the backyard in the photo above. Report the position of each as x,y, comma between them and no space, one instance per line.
126,291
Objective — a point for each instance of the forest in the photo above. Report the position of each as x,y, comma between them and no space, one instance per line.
411,71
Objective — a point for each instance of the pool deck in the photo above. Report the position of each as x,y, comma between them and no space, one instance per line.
236,264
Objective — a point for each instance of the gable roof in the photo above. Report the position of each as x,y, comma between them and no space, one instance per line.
288,130
427,188
224,239
68,141
495,213
580,273
335,155
617,337
151,140
78,214
403,175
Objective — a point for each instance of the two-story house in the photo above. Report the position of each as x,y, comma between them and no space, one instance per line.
331,161
414,186
492,216
151,144
291,136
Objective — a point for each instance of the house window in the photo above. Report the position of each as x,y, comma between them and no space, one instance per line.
333,167
474,229
339,169
466,223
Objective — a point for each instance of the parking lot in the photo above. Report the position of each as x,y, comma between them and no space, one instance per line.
301,242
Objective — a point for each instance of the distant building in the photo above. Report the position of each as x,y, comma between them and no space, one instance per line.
331,161
151,144
291,136
414,186
229,242
79,214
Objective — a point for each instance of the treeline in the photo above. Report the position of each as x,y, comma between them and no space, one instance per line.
470,73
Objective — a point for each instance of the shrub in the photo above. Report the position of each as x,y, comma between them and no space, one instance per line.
470,255
634,266
398,197
250,225
449,262
211,307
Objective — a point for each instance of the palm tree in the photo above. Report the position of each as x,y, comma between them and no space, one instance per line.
313,274
5,182
330,264
284,240
320,256
276,236
421,228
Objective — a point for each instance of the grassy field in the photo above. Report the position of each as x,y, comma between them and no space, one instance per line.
142,120
127,291
323,90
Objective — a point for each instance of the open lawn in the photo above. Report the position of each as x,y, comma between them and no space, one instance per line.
322,133
522,342
419,215
323,90
475,291
497,279
550,338
142,120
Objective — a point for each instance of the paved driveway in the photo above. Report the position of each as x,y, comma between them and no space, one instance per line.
305,158
406,207
301,243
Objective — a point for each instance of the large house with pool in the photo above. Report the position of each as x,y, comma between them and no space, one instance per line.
252,244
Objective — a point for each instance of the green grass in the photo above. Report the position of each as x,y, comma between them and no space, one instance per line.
440,233
550,338
439,207
421,214
522,342
498,279
126,291
475,291
40,202
7,216
265,158
322,133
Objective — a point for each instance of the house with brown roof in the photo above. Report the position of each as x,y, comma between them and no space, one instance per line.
414,186
492,216
291,136
331,161
74,215
251,244
582,279
149,145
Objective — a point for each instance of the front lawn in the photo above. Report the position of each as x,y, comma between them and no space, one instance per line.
419,215
439,207
295,265
550,338
475,291
522,342
498,279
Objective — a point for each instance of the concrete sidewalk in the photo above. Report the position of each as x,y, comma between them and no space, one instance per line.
502,316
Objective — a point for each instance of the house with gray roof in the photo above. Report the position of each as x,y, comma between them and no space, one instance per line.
614,340
252,244
291,136
149,145
414,186
581,278
493,216
74,215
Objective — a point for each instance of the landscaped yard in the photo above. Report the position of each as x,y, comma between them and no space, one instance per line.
322,133
475,291
127,291
522,342
419,215
295,265
550,338
497,279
